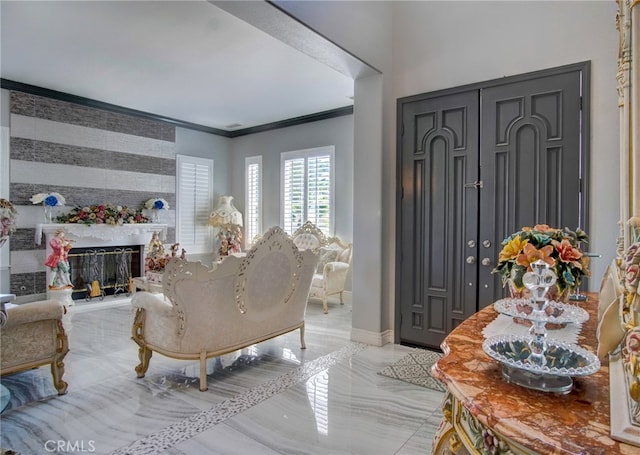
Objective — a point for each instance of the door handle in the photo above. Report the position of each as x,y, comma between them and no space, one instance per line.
476,184
471,259
486,261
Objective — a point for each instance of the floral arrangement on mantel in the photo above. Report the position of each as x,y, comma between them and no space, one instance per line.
8,215
156,204
114,215
52,199
560,248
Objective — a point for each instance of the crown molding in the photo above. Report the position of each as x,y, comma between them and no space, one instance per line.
62,96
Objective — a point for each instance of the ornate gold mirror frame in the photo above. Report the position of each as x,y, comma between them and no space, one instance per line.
624,362
628,24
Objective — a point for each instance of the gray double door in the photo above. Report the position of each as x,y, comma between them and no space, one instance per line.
476,164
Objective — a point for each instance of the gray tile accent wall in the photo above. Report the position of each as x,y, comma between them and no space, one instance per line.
49,152
24,240
21,192
32,152
23,284
75,114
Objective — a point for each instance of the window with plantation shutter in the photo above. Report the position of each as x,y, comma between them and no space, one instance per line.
307,189
253,199
194,203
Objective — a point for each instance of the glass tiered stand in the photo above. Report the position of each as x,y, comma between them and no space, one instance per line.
536,361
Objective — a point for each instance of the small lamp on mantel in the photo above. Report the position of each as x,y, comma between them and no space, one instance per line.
228,219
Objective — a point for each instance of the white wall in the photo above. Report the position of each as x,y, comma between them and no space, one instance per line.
363,28
270,144
205,145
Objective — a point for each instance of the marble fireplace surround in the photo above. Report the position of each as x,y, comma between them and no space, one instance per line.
101,236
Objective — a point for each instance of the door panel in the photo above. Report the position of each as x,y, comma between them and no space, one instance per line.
477,164
439,156
530,163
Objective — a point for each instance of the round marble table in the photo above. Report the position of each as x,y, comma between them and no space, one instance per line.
482,412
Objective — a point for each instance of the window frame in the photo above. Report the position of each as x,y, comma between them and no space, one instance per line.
206,245
248,162
306,154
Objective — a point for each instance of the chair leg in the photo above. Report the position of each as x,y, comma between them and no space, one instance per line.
324,304
302,343
57,366
341,301
203,371
57,370
144,354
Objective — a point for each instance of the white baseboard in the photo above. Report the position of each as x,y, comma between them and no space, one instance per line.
372,338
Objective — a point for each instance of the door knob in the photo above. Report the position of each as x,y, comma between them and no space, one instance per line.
486,243
486,261
471,243
477,184
471,259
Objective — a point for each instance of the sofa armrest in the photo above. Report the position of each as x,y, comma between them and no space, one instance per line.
153,303
34,311
335,268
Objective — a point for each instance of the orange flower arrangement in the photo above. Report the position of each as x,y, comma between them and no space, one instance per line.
560,248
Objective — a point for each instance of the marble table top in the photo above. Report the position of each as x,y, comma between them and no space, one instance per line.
577,422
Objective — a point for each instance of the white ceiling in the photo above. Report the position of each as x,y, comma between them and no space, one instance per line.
186,60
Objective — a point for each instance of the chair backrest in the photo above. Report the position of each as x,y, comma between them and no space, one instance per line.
345,250
273,276
273,273
309,237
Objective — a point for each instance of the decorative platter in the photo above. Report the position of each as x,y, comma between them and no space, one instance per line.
561,362
557,312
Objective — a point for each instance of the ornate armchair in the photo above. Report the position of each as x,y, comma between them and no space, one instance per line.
334,260
34,335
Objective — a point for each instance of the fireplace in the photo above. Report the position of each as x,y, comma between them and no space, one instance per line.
98,272
104,257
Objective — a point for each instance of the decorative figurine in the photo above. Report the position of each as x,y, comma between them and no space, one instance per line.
58,261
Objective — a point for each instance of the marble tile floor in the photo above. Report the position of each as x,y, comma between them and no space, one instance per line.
271,398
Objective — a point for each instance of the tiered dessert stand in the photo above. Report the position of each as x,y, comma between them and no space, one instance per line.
536,361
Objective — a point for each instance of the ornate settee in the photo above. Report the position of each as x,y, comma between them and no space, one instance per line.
34,335
334,260
206,312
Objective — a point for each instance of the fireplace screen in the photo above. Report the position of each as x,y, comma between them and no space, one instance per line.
97,272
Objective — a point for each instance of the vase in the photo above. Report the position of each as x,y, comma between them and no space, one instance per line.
47,213
155,215
552,294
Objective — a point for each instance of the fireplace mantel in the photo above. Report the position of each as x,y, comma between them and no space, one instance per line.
103,234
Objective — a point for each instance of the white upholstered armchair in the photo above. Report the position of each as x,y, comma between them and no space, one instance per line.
334,260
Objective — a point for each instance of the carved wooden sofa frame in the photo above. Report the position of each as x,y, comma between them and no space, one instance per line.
206,313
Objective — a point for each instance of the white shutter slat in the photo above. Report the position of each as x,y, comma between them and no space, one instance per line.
194,203
253,198
307,188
